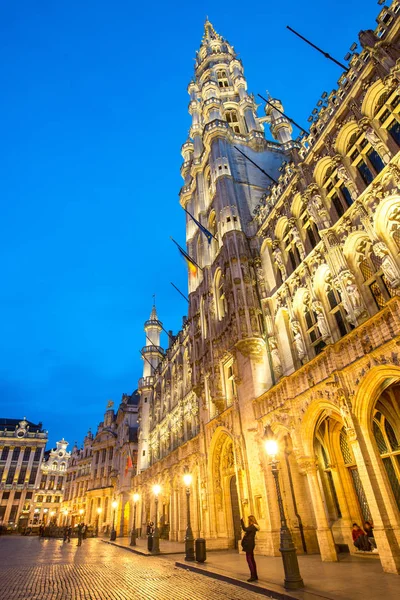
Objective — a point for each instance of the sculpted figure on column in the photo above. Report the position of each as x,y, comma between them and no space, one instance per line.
321,320
297,240
277,253
389,267
275,358
318,212
298,339
354,298
377,144
347,180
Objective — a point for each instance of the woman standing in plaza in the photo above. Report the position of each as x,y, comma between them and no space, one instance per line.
248,545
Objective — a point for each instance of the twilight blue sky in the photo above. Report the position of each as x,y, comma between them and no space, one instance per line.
94,112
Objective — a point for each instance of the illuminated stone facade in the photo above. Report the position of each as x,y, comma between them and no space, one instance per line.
294,319
49,495
22,445
76,484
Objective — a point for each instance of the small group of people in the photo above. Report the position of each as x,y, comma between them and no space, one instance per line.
81,530
364,539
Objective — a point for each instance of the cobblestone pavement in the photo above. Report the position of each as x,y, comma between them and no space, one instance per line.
47,569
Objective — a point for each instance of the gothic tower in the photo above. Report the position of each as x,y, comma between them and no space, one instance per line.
221,190
152,354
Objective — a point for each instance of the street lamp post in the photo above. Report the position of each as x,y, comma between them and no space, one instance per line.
293,579
135,498
113,535
99,511
189,540
156,534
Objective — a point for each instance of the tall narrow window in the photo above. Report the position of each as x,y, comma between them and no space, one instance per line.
230,386
370,267
222,79
389,448
232,119
337,193
336,310
219,293
350,463
313,332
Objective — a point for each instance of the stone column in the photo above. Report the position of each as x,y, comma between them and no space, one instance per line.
324,533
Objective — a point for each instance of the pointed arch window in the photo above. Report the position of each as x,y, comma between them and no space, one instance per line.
310,229
370,267
212,228
233,120
350,464
222,78
387,113
337,194
203,319
290,249
364,157
219,294
389,449
336,309
313,334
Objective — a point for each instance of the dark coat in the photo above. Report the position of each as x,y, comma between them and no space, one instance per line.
248,541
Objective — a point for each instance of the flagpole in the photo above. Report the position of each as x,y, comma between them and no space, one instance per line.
328,56
283,114
179,292
200,226
186,254
256,165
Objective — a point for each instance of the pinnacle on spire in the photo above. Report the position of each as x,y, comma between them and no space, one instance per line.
209,32
153,316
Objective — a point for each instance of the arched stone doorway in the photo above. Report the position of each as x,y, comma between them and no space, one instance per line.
225,492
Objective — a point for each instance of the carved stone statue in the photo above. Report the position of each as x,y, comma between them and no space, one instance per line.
318,212
298,340
388,265
277,254
275,358
297,240
354,303
377,144
347,180
321,320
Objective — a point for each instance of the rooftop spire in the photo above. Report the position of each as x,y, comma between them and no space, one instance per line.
153,316
209,32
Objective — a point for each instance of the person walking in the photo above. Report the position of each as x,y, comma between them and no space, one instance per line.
248,545
65,533
69,533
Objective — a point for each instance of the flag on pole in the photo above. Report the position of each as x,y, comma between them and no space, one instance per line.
129,464
192,264
203,229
